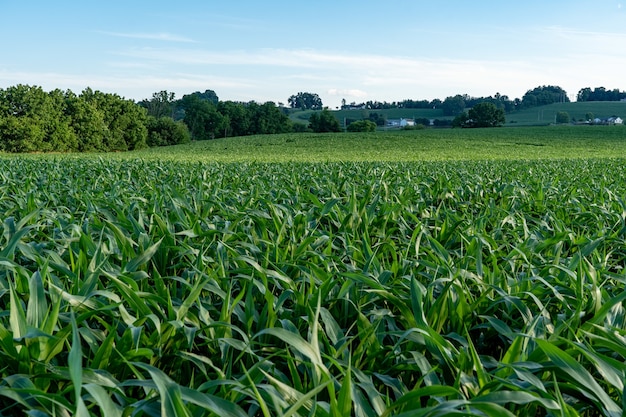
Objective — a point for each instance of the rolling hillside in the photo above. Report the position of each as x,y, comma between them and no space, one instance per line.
537,116
545,115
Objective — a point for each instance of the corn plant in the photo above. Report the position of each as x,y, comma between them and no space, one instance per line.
132,287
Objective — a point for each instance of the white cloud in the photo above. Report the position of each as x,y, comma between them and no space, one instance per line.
275,74
356,93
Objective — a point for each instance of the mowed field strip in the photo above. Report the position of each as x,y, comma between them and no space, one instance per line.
420,273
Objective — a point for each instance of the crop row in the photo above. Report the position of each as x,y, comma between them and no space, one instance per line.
135,287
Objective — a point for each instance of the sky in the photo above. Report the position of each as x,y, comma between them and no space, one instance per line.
357,50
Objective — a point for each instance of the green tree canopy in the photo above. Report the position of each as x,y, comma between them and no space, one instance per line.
324,122
202,118
600,94
267,118
161,104
164,131
544,95
562,117
452,106
362,126
483,114
305,101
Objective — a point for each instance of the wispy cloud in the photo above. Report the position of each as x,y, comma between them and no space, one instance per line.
274,74
353,93
163,36
585,35
135,86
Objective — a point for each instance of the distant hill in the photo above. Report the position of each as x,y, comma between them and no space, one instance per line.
545,115
343,115
536,116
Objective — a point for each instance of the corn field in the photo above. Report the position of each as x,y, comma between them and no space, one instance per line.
145,288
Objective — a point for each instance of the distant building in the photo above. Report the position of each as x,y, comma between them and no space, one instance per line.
400,122
615,120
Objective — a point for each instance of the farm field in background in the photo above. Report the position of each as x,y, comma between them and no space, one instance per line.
545,115
423,273
536,116
393,146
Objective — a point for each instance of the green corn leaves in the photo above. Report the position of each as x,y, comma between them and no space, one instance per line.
145,287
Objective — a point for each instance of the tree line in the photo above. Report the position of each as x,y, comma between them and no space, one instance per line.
33,120
600,94
208,118
455,105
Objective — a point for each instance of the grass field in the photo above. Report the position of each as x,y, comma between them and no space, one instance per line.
314,276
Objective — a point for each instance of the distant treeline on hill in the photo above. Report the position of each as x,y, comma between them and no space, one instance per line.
454,105
32,120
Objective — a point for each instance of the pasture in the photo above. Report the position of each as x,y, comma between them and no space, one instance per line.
425,273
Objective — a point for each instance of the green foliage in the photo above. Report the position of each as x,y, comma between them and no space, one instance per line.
485,115
202,118
460,120
600,94
562,117
453,106
237,117
162,104
544,95
32,120
158,287
324,122
267,119
362,126
546,142
305,101
164,131
545,115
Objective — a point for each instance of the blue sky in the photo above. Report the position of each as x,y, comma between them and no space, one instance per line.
358,50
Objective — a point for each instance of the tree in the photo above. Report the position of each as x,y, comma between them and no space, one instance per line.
237,117
305,101
323,122
208,95
33,120
481,115
160,105
88,124
562,117
600,94
268,119
202,118
164,131
124,121
362,126
452,106
460,120
583,94
541,96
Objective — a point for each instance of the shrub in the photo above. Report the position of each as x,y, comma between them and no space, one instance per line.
362,126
